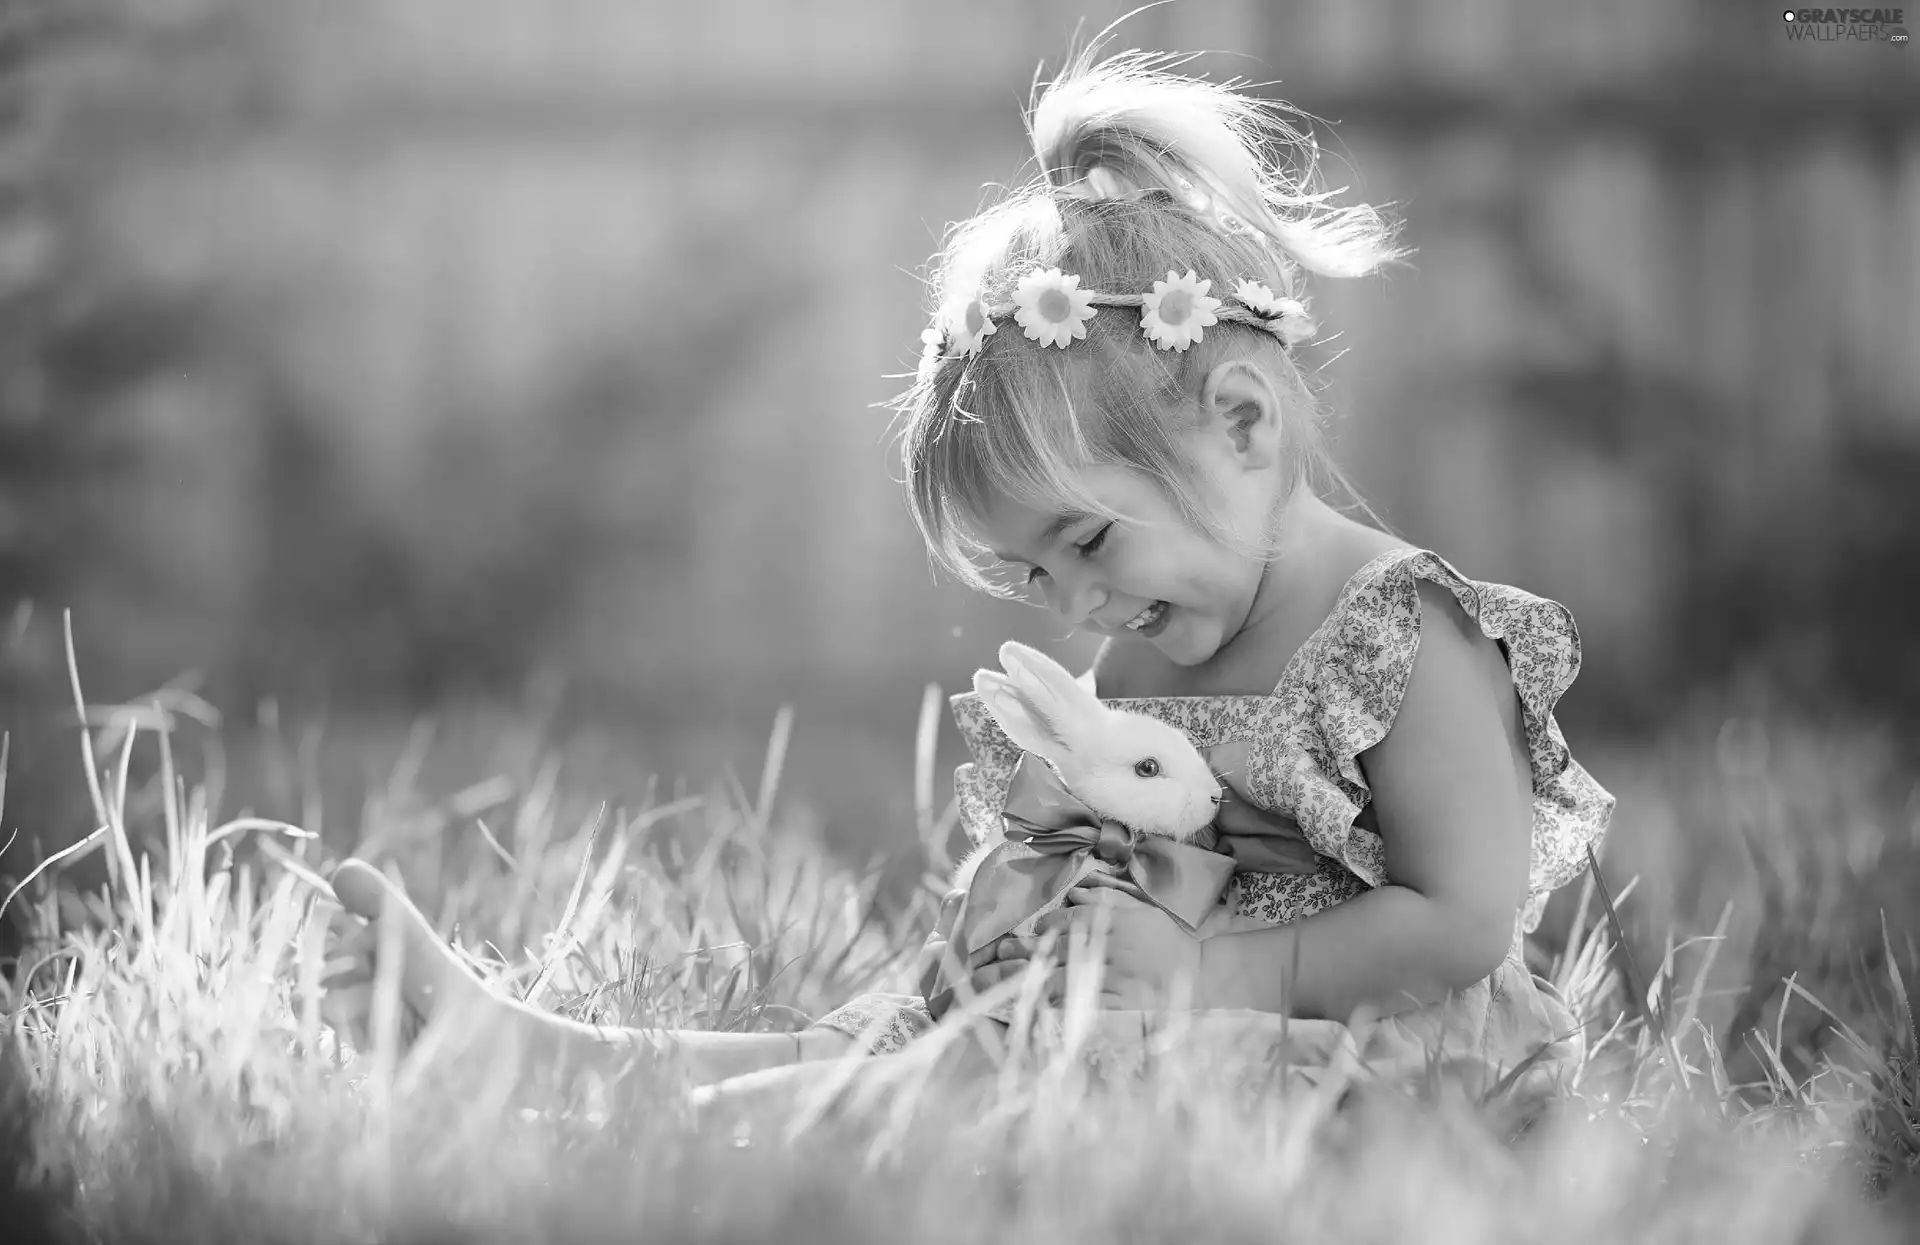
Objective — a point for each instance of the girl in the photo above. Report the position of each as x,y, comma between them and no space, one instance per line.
1109,407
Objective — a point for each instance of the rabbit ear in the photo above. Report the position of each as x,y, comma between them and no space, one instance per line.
1030,722
1036,702
1034,668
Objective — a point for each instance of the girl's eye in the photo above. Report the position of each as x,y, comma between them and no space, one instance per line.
1086,550
1148,768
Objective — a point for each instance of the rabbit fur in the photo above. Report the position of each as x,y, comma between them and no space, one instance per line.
1100,753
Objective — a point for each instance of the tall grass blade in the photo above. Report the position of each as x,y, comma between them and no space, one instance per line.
775,764
563,941
1911,1038
70,853
86,735
1636,985
926,738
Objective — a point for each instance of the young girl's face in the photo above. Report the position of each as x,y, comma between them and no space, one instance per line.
1152,575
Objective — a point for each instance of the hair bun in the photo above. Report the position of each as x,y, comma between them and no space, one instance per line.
1127,126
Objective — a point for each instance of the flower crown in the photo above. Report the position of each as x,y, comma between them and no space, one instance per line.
1052,309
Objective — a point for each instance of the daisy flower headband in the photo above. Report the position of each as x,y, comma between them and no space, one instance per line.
1052,309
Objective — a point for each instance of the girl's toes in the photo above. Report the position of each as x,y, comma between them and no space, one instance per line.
363,890
345,1010
368,893
429,970
343,971
349,1010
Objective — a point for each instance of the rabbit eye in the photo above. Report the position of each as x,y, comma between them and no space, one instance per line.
1148,768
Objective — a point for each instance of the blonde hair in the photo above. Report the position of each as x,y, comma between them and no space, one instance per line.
1142,170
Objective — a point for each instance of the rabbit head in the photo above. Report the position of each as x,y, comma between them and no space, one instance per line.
1129,767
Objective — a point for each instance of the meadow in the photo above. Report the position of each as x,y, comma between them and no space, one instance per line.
167,1075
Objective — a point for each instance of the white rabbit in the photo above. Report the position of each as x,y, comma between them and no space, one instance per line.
1126,767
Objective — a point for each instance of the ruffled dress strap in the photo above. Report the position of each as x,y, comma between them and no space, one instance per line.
1346,688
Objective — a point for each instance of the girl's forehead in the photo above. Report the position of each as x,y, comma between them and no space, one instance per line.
1105,484
1108,486
1007,522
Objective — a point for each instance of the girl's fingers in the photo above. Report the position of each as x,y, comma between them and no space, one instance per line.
994,974
1079,909
1054,987
988,976
1059,921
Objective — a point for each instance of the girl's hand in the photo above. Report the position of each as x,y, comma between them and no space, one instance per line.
1147,955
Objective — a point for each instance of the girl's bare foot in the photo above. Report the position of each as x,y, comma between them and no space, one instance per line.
434,983
431,976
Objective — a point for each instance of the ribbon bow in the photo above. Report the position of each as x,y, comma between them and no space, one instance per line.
1184,880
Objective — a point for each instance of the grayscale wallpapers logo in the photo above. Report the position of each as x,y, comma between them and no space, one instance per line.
1854,25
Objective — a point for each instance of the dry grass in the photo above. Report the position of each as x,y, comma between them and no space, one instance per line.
166,1074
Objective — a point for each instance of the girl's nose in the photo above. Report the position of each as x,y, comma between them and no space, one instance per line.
1074,600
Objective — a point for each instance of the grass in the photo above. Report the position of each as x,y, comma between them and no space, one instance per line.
166,1076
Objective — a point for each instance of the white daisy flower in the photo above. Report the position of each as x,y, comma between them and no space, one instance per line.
1295,324
1257,297
1052,308
933,345
1174,313
970,327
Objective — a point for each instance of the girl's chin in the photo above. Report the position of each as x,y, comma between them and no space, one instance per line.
1206,643
1193,643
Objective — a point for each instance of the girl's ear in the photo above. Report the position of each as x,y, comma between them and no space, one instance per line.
1240,405
1032,722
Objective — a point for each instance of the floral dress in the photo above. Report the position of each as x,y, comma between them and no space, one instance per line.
1337,698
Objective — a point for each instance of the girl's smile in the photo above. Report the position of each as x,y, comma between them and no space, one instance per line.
1149,575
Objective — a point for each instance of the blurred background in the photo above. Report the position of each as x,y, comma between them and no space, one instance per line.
514,367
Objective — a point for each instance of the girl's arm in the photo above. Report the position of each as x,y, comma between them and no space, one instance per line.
1453,791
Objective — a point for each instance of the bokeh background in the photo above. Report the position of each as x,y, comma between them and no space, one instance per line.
513,367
